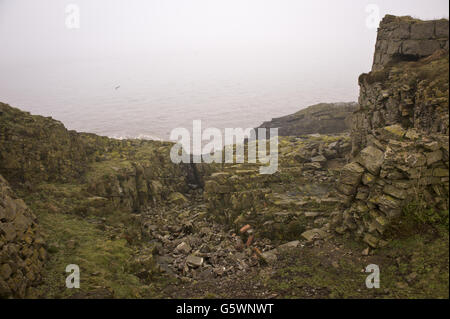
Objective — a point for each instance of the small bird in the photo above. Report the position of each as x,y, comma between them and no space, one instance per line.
117,87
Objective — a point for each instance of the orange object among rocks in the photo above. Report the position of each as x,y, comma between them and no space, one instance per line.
245,228
249,241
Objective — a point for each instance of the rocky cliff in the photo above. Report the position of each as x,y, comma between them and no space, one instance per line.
406,38
399,134
323,118
412,94
129,173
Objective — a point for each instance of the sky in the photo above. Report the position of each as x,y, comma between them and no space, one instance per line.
313,30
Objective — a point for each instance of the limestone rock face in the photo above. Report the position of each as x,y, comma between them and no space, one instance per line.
37,148
21,247
408,38
324,118
380,186
131,174
402,96
288,203
400,150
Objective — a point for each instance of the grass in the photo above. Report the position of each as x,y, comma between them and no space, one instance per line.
97,240
416,267
102,260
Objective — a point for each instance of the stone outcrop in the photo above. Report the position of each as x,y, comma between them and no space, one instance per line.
398,168
323,118
412,94
405,38
283,205
21,247
399,133
36,148
144,179
131,174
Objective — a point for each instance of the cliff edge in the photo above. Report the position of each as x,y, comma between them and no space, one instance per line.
406,38
322,118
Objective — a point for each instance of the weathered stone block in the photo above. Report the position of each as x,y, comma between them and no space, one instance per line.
434,157
422,30
351,174
395,192
442,29
372,159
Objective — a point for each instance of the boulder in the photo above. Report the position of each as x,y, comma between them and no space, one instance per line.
372,159
314,234
351,174
194,261
183,248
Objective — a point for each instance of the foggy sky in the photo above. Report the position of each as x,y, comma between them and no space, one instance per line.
311,30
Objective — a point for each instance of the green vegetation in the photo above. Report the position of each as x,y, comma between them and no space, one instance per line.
413,267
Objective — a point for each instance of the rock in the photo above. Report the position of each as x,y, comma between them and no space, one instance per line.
183,248
313,166
416,160
351,174
412,134
442,28
434,157
395,192
372,159
21,248
347,190
318,159
270,257
368,179
403,37
194,261
432,146
291,244
371,240
9,230
178,198
5,272
440,172
324,118
394,131
314,234
402,285
400,131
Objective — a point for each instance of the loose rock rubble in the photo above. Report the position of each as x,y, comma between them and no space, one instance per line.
188,244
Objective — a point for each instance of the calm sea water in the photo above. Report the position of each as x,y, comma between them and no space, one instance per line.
146,97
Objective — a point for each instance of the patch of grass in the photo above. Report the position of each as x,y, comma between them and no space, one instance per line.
102,260
413,267
419,214
100,242
374,77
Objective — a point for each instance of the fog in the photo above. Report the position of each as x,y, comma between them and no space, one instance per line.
290,53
